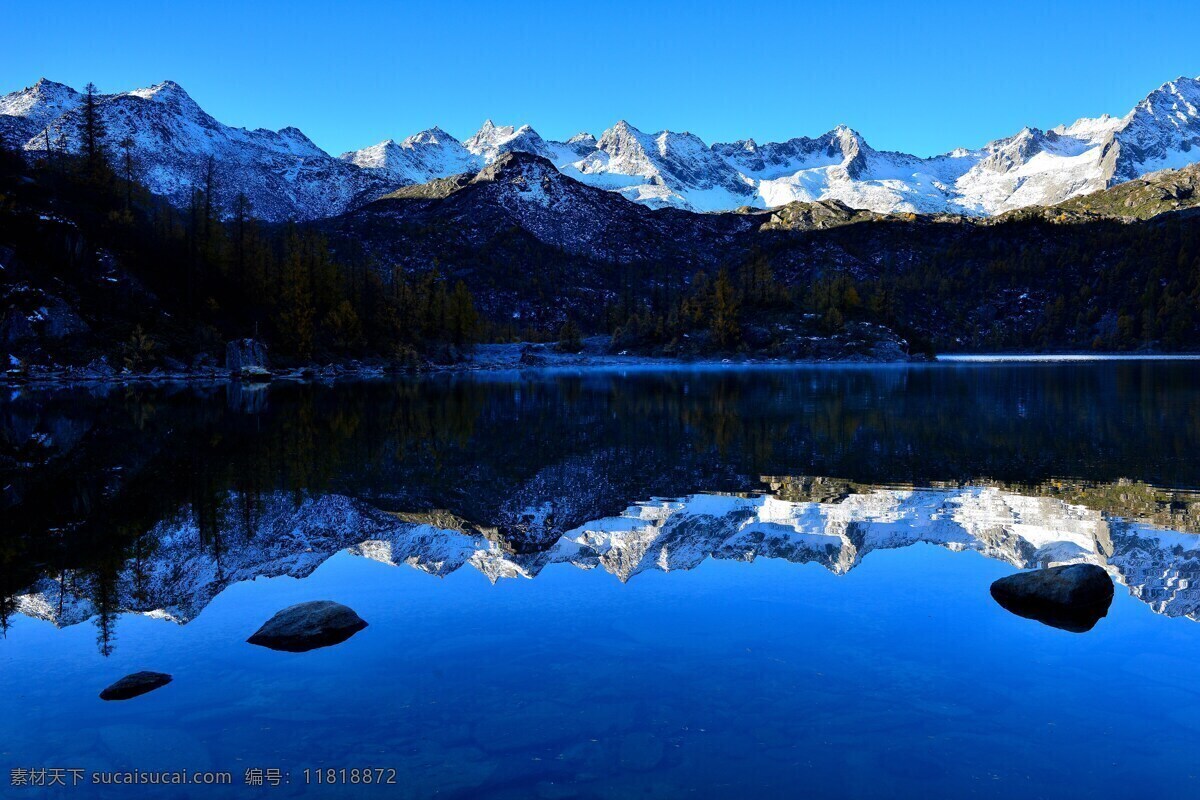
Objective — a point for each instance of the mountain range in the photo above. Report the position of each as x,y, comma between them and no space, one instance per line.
173,142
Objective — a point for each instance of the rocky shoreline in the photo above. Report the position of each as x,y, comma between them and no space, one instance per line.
247,362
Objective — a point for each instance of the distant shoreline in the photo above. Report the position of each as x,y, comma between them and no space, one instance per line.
482,363
993,358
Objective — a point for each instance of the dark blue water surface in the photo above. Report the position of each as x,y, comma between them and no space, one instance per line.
703,584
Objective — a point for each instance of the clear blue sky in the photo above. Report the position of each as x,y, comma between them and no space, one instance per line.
917,77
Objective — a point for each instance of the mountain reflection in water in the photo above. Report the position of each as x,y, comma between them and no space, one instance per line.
153,501
175,576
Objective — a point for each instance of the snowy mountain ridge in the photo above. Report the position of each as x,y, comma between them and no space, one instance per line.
172,141
1032,167
286,176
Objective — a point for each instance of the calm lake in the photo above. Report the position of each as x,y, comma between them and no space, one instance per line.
654,584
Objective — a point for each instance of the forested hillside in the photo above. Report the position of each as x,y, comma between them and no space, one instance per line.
97,267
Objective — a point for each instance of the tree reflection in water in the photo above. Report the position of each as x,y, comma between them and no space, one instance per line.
91,477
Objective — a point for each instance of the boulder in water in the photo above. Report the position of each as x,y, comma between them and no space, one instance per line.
307,626
1073,597
136,684
247,358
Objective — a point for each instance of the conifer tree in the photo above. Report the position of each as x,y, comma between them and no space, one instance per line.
725,329
92,131
296,314
463,319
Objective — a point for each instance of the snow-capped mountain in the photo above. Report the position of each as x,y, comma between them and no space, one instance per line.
27,112
1161,132
417,159
181,576
172,140
287,176
1033,167
524,191
492,141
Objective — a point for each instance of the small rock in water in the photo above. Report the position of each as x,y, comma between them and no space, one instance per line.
307,626
1073,597
136,684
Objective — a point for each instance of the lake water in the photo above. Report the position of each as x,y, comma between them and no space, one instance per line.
691,583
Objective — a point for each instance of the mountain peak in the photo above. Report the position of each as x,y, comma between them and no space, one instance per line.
294,134
492,140
1170,93
517,166
490,131
846,133
41,103
44,84
424,156
168,93
161,91
622,132
429,136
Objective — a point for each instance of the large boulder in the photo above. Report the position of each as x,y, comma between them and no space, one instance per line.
136,684
58,320
98,369
15,327
247,358
1073,597
35,314
307,626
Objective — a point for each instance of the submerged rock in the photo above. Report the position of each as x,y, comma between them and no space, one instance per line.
640,751
1073,597
536,726
307,626
136,684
